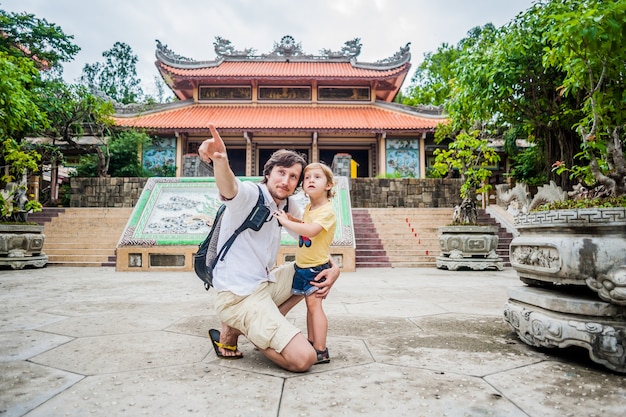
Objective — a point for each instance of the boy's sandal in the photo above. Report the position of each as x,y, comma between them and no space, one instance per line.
322,356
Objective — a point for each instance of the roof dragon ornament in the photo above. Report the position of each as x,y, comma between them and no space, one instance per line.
223,47
398,56
169,53
351,49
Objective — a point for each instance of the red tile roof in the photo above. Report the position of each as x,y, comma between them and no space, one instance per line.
282,70
368,118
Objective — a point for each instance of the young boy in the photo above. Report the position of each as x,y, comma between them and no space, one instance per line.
316,231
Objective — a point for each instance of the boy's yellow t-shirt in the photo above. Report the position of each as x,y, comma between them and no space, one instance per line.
316,250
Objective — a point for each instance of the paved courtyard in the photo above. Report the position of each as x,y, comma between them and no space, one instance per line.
403,342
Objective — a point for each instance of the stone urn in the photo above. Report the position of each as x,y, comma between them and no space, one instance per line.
468,246
580,247
22,245
574,262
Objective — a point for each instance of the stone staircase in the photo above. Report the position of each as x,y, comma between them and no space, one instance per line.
370,251
504,236
82,236
385,237
398,237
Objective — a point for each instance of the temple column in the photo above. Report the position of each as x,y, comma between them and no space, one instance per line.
382,154
315,154
248,137
422,152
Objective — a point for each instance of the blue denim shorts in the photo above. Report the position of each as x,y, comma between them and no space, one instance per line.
303,276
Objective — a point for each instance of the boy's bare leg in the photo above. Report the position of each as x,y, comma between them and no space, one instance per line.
297,356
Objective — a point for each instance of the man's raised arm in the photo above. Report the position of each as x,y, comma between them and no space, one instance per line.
213,149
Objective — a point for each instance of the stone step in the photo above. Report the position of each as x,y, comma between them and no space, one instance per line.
85,236
65,252
369,250
409,237
94,235
78,243
76,259
82,264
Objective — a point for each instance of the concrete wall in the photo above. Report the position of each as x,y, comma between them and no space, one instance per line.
364,192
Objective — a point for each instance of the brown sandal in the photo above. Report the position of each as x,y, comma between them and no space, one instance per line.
322,356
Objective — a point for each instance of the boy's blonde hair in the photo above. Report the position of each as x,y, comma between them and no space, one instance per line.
327,172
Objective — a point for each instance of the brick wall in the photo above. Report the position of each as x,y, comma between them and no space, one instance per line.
105,192
404,192
364,192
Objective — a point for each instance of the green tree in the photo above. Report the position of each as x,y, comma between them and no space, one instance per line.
505,86
585,41
28,47
116,78
470,155
75,112
44,43
430,84
124,149
19,111
545,77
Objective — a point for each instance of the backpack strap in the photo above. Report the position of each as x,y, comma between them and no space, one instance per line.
245,225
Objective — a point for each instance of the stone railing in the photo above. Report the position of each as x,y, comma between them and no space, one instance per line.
364,192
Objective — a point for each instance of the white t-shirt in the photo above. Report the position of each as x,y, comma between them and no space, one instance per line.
253,254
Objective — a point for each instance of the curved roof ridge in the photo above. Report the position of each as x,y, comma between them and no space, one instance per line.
285,51
420,110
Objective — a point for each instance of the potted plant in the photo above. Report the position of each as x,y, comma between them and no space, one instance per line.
465,243
21,242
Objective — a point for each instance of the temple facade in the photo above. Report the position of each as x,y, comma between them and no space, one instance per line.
321,105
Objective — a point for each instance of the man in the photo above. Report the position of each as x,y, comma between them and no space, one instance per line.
252,299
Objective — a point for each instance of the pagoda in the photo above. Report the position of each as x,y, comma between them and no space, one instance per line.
321,105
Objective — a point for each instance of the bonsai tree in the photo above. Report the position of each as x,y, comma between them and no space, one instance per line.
18,162
470,155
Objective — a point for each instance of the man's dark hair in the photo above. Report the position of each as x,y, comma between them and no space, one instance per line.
284,158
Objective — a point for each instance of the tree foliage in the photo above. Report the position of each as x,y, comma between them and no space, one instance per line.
41,42
29,46
74,112
430,83
552,74
123,153
19,111
116,78
588,47
470,155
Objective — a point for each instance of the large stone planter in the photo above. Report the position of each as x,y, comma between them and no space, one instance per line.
582,247
579,257
468,246
22,245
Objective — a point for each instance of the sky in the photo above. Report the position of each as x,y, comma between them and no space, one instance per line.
189,27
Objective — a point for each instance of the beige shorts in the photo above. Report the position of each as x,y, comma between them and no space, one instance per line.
257,315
